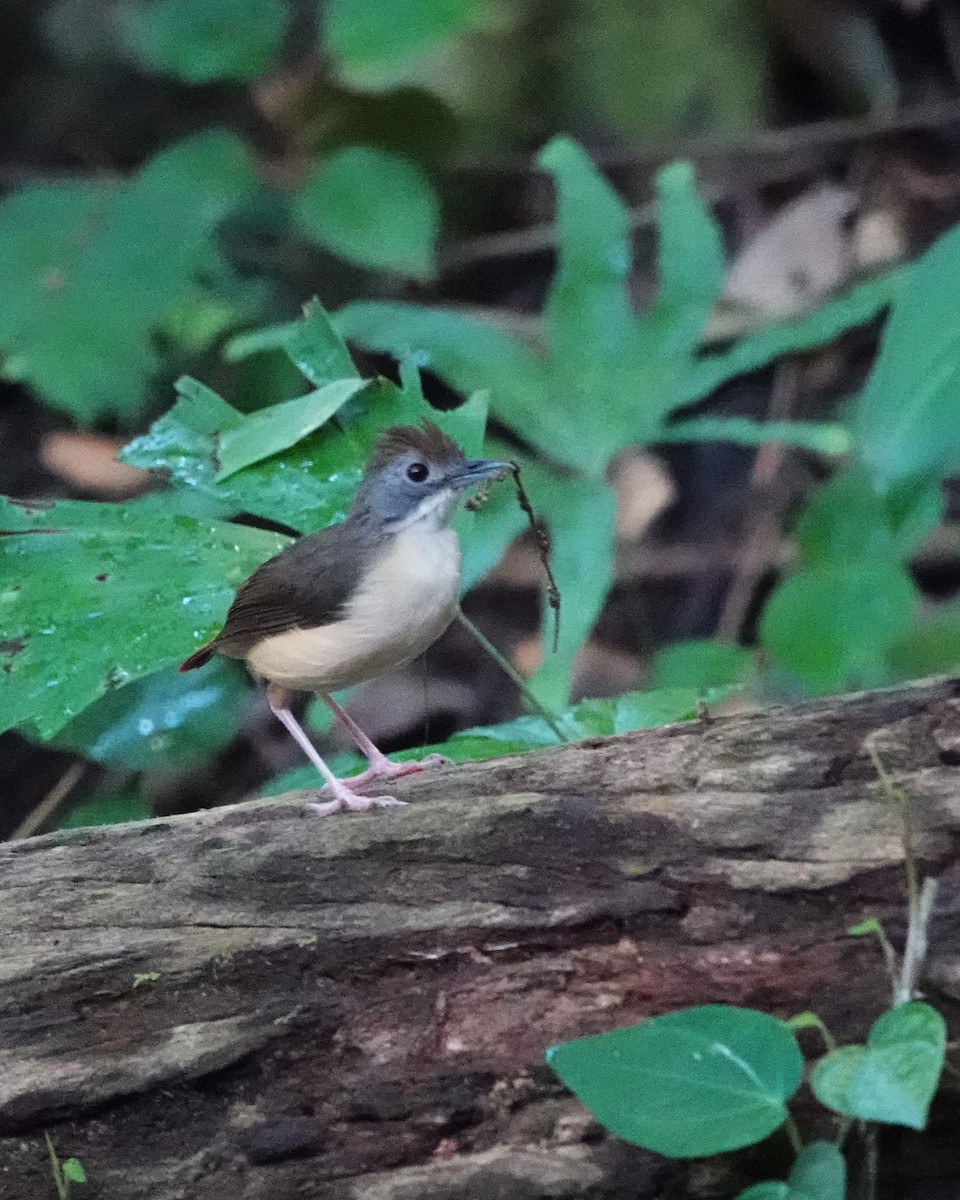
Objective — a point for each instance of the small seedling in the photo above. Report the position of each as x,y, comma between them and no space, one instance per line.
65,1173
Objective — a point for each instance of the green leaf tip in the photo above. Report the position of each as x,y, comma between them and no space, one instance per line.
678,176
562,151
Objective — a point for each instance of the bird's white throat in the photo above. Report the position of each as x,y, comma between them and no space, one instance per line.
430,515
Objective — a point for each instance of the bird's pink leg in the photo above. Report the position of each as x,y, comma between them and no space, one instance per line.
380,766
343,797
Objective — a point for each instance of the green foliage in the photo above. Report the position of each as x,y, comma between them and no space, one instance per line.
819,1173
107,808
694,1082
164,719
606,377
148,581
374,41
833,625
894,1076
907,421
701,665
66,1173
203,42
92,271
95,596
273,430
848,617
372,208
653,69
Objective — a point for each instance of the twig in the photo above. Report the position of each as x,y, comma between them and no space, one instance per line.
898,803
915,951
920,898
818,137
764,534
51,802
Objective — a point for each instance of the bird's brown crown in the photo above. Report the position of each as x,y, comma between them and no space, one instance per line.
427,441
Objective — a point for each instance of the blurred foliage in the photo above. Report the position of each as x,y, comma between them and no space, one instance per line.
373,209
652,68
203,42
94,270
115,286
849,616
605,377
375,42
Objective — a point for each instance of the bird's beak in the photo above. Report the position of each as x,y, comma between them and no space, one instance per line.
476,470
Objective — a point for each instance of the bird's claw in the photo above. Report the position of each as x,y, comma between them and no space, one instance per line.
383,768
349,803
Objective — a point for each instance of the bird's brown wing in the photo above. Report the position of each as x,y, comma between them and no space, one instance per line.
302,587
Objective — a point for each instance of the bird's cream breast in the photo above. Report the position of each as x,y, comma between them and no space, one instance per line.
407,599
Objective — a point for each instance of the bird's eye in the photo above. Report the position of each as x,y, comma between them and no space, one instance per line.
418,472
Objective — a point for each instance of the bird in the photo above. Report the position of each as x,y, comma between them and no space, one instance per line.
359,598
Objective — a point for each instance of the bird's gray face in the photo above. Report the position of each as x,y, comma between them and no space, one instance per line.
413,488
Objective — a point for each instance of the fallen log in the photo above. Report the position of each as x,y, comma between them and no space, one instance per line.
252,1003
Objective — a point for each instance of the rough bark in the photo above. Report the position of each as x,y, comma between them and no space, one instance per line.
253,1003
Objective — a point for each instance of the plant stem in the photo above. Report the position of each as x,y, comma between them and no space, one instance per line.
899,804
61,1184
507,666
915,950
810,1020
793,1133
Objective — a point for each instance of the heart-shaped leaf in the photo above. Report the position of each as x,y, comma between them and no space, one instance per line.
695,1082
819,1173
894,1076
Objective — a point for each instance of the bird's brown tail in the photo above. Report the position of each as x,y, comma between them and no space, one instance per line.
197,658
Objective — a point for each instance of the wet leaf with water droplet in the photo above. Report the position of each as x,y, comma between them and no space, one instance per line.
83,637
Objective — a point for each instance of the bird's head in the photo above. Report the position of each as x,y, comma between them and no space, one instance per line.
418,474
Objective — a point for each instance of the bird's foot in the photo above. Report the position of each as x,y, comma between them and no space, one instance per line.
345,800
383,768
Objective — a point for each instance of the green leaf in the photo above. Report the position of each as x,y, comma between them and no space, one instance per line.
907,419
871,927
660,706
701,665
316,348
834,625
203,42
589,322
894,1076
819,1173
847,519
931,647
651,71
470,355
860,304
371,40
97,595
107,808
267,432
373,209
91,271
305,487
164,719
73,1170
690,262
696,1082
822,437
